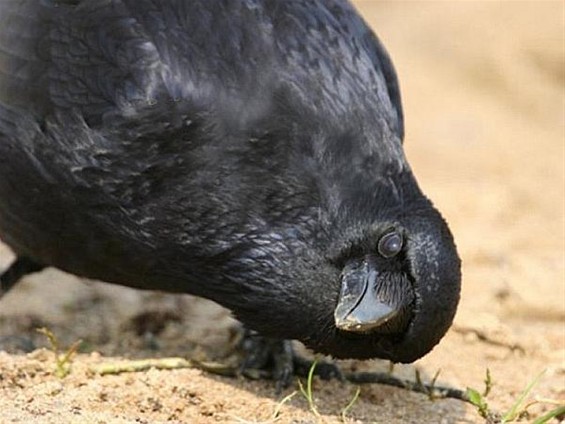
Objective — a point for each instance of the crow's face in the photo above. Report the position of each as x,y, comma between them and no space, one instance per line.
398,300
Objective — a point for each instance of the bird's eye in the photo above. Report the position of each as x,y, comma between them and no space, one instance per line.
390,244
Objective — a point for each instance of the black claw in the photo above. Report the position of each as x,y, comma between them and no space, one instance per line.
20,267
277,360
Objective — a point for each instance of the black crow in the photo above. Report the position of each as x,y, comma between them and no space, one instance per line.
246,151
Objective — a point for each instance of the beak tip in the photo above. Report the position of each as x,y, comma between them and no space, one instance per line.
343,323
360,324
354,327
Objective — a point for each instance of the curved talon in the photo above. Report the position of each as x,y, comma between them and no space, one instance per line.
276,359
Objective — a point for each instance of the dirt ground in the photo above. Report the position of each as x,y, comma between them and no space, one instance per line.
483,88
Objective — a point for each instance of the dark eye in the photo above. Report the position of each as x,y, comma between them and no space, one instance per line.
390,244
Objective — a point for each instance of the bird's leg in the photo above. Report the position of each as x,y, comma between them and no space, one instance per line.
276,359
20,267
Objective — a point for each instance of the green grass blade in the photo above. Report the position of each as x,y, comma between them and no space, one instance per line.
311,377
513,412
560,410
279,406
308,392
345,410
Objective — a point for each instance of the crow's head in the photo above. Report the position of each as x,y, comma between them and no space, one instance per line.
399,289
382,287
397,275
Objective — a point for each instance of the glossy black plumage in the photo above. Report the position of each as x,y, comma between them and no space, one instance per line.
246,151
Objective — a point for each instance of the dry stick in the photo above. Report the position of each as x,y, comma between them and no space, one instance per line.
162,364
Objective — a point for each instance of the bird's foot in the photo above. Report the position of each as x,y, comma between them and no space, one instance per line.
267,358
276,359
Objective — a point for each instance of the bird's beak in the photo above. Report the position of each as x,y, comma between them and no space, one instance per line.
359,308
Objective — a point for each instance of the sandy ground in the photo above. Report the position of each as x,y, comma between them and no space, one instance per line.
483,87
